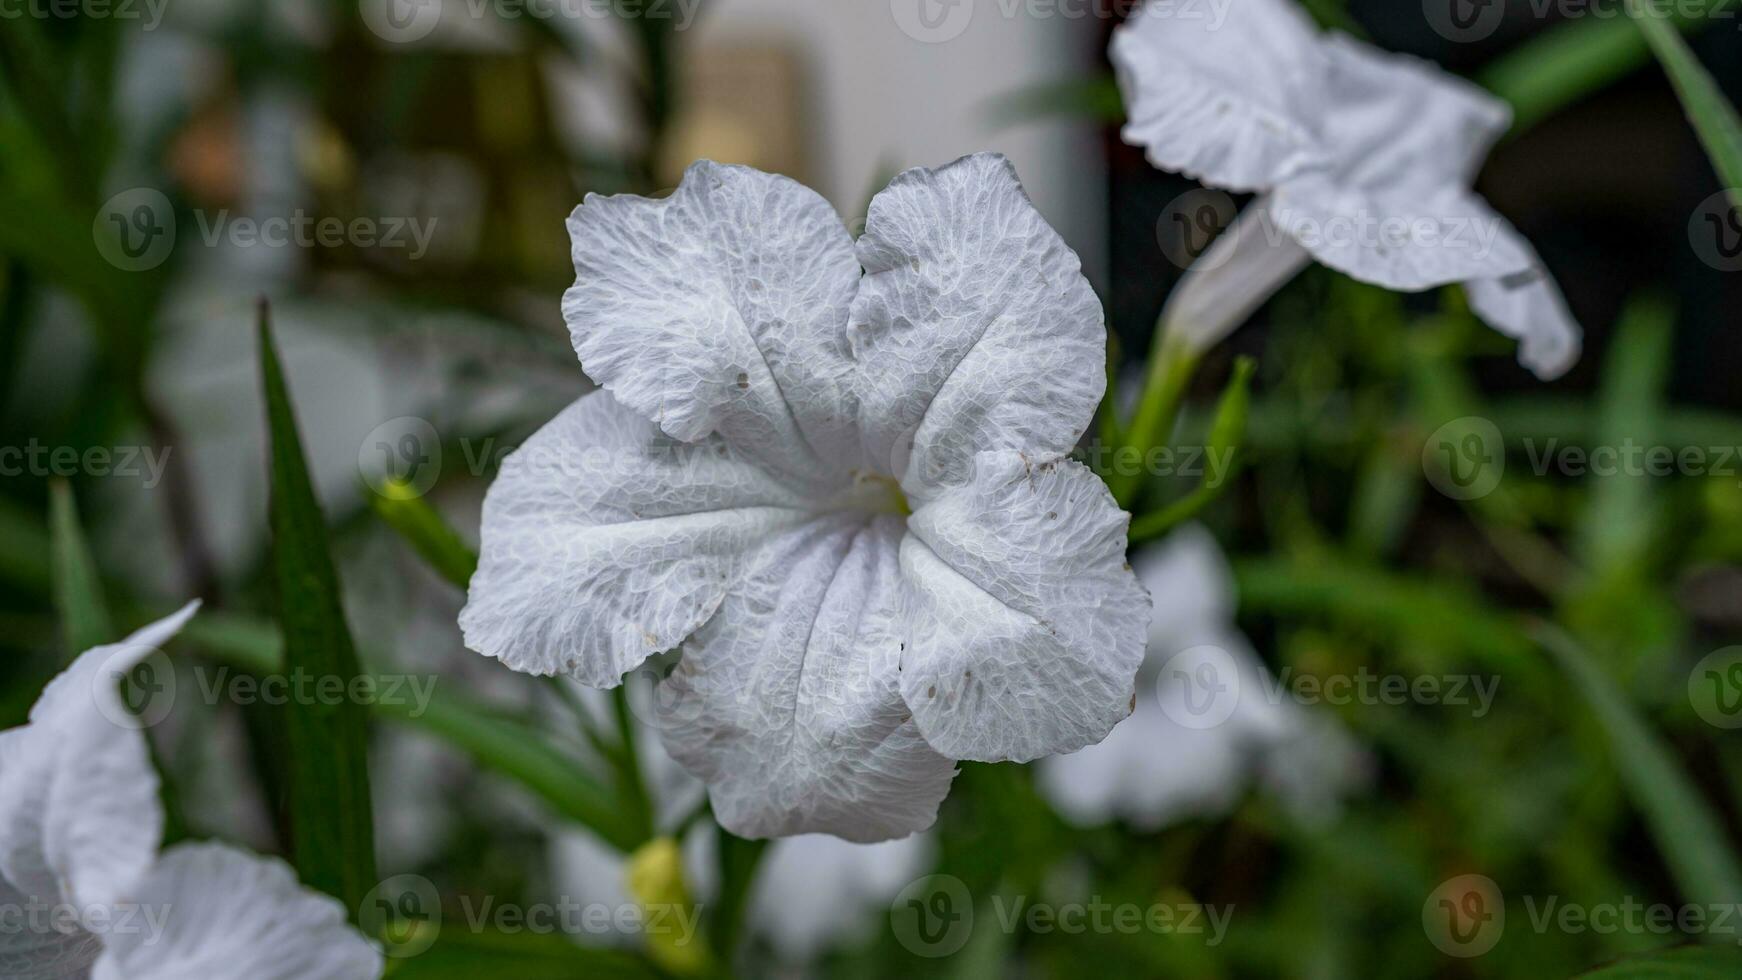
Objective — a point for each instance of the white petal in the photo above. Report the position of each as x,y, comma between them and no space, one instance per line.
1404,238
1234,99
1530,307
1025,625
80,819
722,308
973,329
815,892
605,541
1237,274
231,914
1398,121
29,952
786,703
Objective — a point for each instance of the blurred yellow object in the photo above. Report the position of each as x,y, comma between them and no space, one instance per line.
655,880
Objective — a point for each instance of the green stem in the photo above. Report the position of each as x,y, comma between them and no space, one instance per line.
1171,366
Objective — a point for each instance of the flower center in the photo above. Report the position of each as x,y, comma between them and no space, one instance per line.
881,494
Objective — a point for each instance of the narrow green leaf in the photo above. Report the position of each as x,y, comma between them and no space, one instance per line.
462,955
1681,963
426,531
1619,523
497,742
78,595
1221,453
1564,64
1686,829
1714,118
325,744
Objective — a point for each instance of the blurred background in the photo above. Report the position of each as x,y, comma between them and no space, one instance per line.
393,177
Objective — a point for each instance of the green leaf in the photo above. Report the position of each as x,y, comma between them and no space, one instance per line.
1619,523
1222,450
1569,61
1681,963
24,548
426,531
1714,118
462,955
497,742
1095,99
78,595
325,744
1686,829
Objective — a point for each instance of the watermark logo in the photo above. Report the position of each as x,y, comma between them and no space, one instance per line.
932,21
1465,916
1715,688
1192,222
1199,687
1465,458
404,913
135,230
134,691
401,21
1464,21
401,458
1715,231
933,916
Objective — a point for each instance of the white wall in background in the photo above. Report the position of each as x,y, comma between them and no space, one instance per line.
884,99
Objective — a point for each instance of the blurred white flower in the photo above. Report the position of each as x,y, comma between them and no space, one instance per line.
814,892
842,492
87,892
1362,159
1164,764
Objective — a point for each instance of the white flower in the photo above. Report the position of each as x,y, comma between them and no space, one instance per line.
1363,160
1160,766
843,493
80,824
815,892
812,893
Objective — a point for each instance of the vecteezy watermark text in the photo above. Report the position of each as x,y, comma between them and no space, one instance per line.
148,12
35,459
405,21
934,917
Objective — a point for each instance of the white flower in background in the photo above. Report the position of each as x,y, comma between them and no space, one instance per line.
843,493
1161,765
80,824
814,893
1362,159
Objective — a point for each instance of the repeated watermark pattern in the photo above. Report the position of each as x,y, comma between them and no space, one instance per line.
404,457
1715,231
1466,458
1202,686
136,230
1470,21
406,912
1466,917
1195,220
34,917
36,459
148,14
1715,688
939,21
150,687
934,917
408,21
